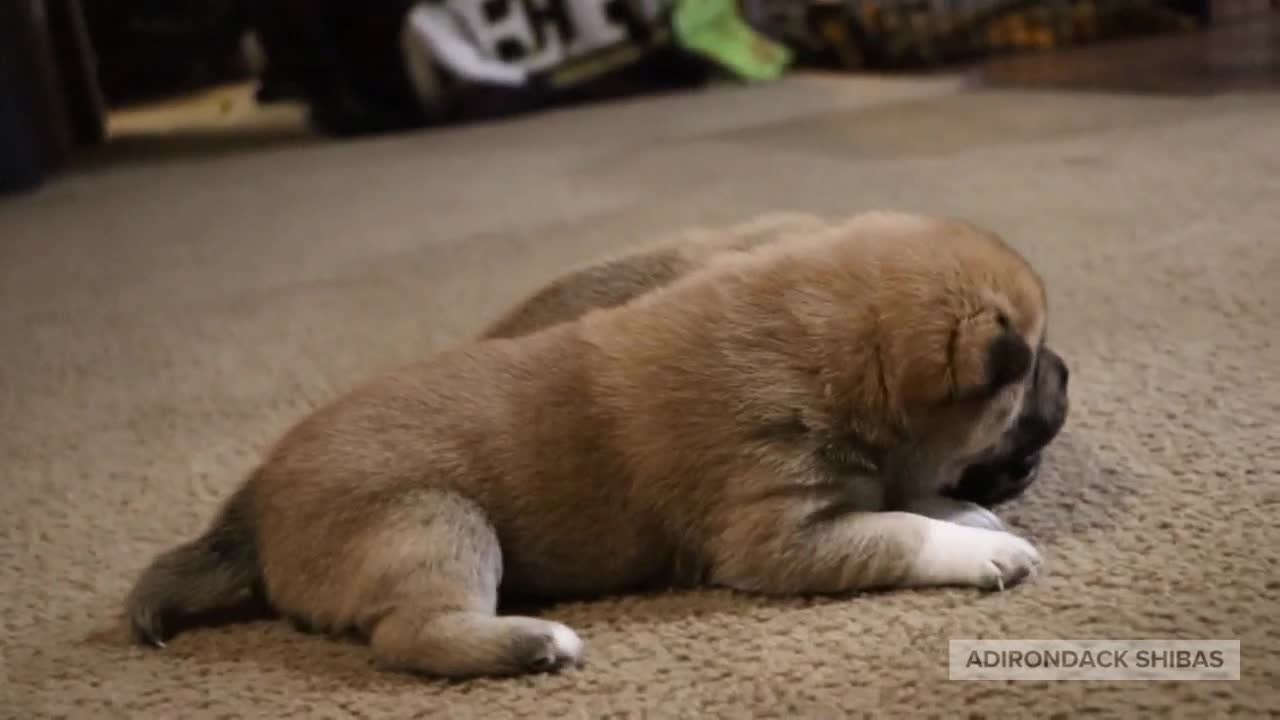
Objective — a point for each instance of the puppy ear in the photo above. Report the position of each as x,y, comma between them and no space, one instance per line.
987,353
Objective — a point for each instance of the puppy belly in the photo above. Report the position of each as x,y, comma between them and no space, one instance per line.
568,568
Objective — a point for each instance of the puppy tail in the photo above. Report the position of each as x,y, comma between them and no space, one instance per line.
216,573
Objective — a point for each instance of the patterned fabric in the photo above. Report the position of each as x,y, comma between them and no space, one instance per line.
905,33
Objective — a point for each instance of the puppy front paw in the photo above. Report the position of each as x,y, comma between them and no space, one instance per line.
960,555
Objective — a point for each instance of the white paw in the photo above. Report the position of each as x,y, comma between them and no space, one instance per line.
971,556
544,646
960,512
567,643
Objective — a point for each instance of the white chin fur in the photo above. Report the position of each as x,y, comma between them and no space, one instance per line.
955,511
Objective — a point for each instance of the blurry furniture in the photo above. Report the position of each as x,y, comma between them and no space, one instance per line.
49,97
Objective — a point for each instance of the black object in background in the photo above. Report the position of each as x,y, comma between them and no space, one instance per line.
77,63
148,49
49,97
22,164
34,136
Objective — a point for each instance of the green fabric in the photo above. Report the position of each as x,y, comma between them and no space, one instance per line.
713,28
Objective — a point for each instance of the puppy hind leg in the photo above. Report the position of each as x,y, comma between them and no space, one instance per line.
438,566
468,643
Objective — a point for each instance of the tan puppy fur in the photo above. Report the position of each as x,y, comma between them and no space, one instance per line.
758,425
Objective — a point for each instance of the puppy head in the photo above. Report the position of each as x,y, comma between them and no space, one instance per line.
968,358
946,330
961,402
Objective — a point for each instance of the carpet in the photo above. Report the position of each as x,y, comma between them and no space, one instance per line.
165,314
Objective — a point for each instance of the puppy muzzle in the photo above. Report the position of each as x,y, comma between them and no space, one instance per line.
1006,476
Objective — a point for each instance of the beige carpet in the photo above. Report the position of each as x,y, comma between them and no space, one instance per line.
161,322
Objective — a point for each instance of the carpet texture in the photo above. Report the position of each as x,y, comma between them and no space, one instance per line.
163,320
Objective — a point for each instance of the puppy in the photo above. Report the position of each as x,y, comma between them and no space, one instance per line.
761,426
1004,474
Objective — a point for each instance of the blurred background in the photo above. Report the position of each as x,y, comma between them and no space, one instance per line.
208,75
